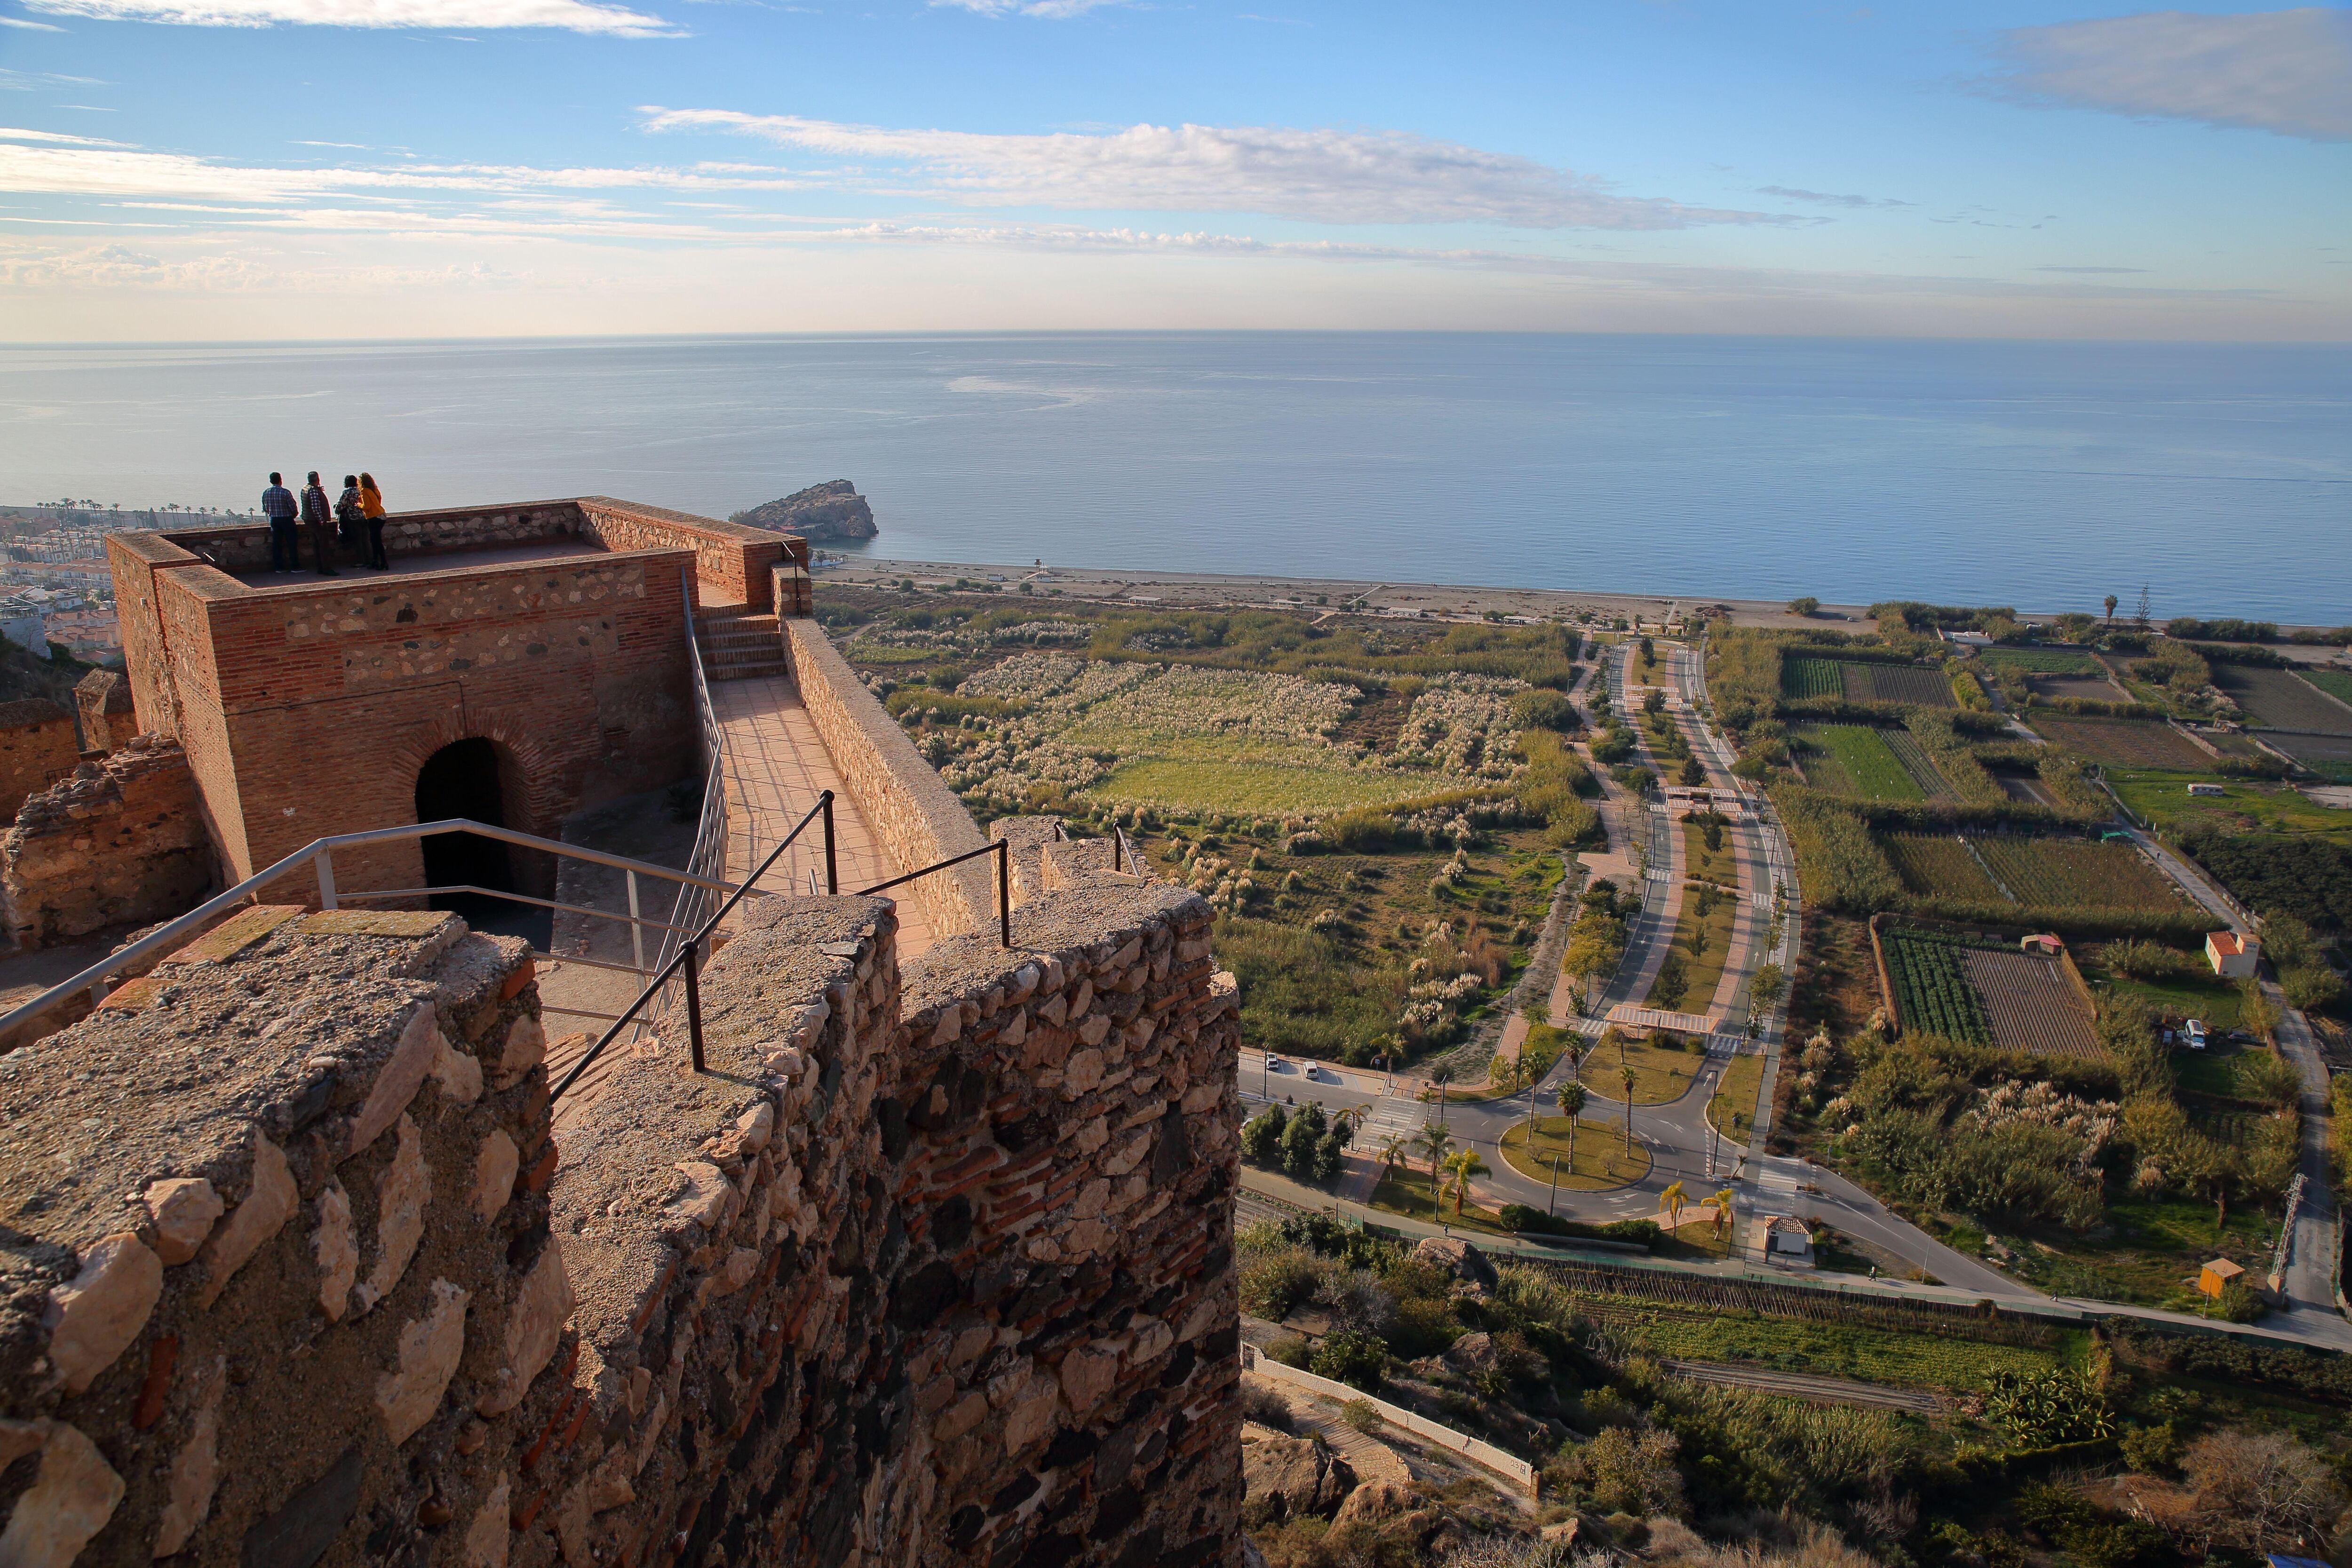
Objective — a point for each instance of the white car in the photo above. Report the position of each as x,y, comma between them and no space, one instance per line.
2195,1034
1272,1062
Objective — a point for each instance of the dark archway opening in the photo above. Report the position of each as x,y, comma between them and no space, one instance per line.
461,779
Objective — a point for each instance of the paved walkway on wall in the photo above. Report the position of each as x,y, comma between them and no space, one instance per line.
408,564
776,767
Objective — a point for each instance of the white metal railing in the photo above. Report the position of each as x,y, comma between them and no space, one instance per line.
317,857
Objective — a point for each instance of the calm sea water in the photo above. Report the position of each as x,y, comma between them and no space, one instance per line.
2039,475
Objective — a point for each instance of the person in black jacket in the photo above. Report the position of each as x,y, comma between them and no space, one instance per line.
320,519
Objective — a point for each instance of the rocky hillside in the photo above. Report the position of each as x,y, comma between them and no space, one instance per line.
822,515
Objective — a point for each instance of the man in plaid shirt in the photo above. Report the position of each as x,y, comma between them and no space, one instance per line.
321,519
278,506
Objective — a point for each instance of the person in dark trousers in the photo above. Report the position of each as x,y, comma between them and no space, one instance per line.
321,519
278,506
350,529
372,510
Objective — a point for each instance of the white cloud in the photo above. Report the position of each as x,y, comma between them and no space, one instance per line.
572,16
1322,176
1054,9
2288,72
10,134
1824,199
28,25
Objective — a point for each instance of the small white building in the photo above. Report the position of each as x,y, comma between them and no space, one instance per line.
24,626
2207,789
2233,957
1788,1239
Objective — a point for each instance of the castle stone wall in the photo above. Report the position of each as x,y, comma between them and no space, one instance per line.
918,819
38,746
929,1268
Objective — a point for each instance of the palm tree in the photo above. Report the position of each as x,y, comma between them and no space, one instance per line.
1672,1200
1393,1153
1570,1096
1348,1121
1627,1074
1434,1140
1723,1211
1465,1163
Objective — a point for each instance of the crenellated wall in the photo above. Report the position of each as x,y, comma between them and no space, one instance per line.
931,1268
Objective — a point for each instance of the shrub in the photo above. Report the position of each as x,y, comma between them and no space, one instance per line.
1262,1135
1276,1279
1539,708
1352,1357
1805,605
1267,1407
2142,959
1290,1351
1362,1415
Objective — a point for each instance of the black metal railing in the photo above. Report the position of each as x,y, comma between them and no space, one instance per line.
689,955
687,963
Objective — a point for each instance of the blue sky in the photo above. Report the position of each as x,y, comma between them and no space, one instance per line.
193,169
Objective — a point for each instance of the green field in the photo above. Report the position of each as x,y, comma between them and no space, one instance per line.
2041,660
2122,742
2162,799
1853,759
1918,764
2336,683
1935,865
1702,944
1830,1348
2074,873
1932,989
1801,677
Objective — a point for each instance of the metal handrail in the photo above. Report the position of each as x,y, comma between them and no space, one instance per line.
1002,849
319,855
686,955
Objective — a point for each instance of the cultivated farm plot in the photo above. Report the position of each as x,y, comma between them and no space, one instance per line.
2092,688
1933,992
1897,683
1939,867
1918,764
1256,789
2042,660
1854,759
2072,873
2123,742
2283,700
2336,683
1801,676
2029,1003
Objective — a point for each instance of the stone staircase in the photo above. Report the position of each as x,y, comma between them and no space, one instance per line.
738,646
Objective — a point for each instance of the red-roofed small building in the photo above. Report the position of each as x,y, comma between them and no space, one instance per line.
2233,957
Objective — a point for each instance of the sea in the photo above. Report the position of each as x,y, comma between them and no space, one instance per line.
2038,475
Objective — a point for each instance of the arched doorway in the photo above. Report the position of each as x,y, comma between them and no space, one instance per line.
462,779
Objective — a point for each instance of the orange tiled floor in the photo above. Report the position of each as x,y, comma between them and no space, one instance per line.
776,767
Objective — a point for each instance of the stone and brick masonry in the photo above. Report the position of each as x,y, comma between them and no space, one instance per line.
930,1267
118,843
307,707
37,747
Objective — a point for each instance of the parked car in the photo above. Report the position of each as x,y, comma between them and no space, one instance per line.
2195,1034
1272,1062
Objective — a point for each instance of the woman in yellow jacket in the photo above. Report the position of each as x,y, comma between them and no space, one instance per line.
372,509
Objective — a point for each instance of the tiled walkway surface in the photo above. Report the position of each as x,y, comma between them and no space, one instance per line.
776,767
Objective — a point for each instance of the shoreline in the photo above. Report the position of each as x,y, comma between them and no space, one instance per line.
1425,601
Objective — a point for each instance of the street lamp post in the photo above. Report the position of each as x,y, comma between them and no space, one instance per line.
1552,1207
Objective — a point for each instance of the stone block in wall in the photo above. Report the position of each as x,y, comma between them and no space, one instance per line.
119,843
258,1313
103,698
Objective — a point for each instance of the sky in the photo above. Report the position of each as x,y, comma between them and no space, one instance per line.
195,170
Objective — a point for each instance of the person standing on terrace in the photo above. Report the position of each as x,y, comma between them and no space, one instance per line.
372,508
320,519
278,506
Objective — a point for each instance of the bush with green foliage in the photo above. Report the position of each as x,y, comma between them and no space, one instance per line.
1358,1360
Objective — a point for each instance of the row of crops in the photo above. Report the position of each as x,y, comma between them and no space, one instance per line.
1932,990
1811,677
2034,873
